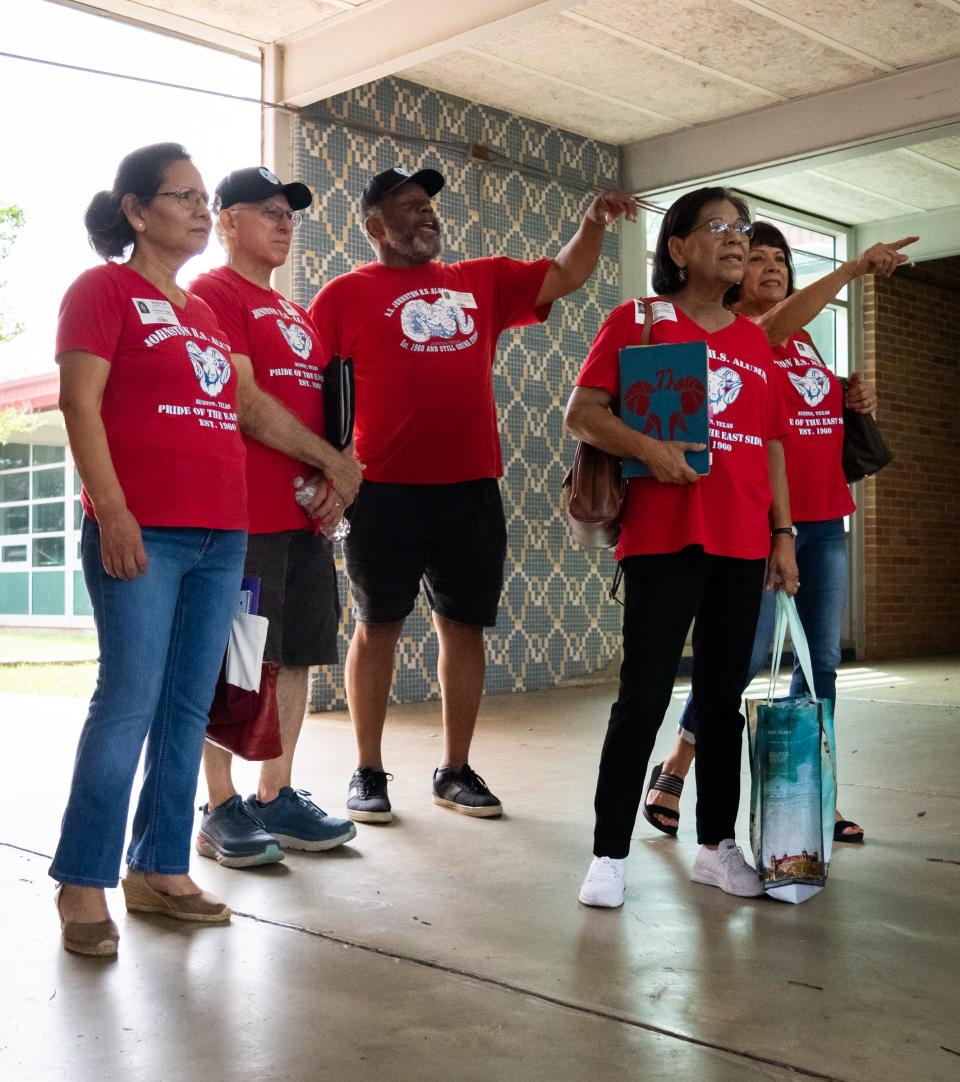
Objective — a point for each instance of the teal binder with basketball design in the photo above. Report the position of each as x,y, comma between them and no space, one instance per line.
664,394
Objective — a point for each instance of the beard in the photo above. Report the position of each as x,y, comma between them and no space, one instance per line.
414,247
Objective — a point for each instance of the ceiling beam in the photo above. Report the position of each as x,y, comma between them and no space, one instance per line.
938,230
386,36
884,113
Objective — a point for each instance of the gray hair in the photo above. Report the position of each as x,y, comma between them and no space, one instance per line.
375,211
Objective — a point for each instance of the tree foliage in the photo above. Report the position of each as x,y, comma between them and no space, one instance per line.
12,419
12,220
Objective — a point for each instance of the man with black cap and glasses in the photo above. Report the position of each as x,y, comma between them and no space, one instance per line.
280,364
423,337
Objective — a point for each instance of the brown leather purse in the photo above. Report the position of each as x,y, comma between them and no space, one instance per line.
594,490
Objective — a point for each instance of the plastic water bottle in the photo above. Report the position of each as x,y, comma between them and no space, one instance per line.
303,494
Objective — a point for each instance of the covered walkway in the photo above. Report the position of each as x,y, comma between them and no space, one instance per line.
442,947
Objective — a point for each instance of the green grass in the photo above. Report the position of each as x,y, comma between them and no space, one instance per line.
71,681
40,644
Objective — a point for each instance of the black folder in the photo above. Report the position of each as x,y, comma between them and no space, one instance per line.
338,403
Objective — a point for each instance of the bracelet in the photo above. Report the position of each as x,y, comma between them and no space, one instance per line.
791,530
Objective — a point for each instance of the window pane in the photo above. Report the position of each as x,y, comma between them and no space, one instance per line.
14,486
808,268
653,222
48,518
13,554
14,520
77,514
48,483
48,591
44,456
48,552
823,331
14,456
843,342
76,482
15,593
806,240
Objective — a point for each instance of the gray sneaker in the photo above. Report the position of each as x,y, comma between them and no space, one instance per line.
367,800
464,791
234,836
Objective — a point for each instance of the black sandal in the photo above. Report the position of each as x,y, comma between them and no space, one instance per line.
838,828
662,783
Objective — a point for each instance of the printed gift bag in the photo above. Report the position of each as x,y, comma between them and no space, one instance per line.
793,794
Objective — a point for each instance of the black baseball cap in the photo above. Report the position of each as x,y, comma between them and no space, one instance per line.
257,183
379,187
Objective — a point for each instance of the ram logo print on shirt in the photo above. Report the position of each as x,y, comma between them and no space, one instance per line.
445,318
813,386
297,338
212,369
724,387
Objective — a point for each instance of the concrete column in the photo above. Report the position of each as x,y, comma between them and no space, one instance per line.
277,128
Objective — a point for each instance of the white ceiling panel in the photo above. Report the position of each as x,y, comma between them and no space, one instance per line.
828,197
941,150
599,62
731,38
901,175
481,77
899,32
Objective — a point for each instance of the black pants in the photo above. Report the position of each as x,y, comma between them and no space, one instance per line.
663,594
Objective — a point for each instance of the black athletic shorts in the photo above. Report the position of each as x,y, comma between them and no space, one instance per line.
298,595
452,536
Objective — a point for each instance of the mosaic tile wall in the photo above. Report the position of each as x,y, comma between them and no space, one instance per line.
555,623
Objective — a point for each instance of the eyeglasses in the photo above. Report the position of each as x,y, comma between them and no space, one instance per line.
276,214
719,228
190,198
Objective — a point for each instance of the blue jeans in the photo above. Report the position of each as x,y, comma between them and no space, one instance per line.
162,638
821,599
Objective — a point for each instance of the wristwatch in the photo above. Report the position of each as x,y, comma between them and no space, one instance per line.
791,530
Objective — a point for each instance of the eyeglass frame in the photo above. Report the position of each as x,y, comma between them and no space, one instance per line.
274,212
188,194
727,227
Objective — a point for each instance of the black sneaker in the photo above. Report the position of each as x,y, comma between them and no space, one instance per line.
465,792
367,800
234,836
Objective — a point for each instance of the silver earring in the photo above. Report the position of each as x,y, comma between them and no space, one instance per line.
682,274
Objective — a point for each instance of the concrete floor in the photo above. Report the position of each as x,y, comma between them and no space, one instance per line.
441,947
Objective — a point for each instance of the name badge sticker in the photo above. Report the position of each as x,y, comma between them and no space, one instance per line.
663,310
639,315
153,311
463,300
807,351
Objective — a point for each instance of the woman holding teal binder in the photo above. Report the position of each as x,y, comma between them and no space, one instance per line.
692,548
819,494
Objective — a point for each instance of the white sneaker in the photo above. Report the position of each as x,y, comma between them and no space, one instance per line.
724,867
603,885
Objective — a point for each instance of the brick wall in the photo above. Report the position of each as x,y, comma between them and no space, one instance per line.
912,551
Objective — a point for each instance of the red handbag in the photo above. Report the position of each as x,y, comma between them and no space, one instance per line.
247,722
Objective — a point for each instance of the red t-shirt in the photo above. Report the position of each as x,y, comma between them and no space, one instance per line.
813,397
727,512
284,348
169,406
423,342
